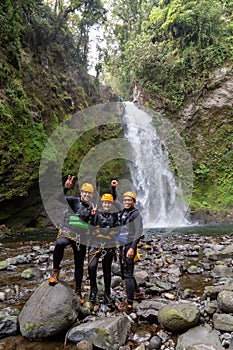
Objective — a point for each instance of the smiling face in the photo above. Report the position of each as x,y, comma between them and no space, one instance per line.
106,206
128,202
86,196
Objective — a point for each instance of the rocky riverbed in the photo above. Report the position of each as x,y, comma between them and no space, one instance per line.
186,277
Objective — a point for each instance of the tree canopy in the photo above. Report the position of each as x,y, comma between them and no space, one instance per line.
172,48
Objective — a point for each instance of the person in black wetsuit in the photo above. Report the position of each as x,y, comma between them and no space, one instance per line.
102,246
131,228
73,231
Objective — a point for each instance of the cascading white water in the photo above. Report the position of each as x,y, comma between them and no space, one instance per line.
159,194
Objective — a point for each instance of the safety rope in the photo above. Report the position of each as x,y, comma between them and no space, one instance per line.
67,234
93,257
99,250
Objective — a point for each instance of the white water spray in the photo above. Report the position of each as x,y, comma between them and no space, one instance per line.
159,193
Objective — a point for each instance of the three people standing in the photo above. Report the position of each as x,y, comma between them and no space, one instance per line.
105,227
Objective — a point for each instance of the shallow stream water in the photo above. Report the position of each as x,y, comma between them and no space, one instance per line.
11,282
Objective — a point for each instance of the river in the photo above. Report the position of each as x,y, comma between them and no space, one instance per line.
37,248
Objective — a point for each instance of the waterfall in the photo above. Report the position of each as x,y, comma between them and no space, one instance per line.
160,196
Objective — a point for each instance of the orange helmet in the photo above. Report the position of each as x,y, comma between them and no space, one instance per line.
87,187
130,194
107,197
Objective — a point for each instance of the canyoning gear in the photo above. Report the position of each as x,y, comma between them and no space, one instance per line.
105,220
87,187
92,253
108,300
79,256
93,295
73,231
136,256
83,213
54,277
104,229
139,296
103,236
107,197
79,295
130,229
76,222
127,272
124,306
106,255
131,225
102,247
130,194
123,236
75,225
68,234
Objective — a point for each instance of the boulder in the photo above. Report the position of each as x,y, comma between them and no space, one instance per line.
49,310
177,317
106,333
223,322
225,301
148,309
199,338
9,324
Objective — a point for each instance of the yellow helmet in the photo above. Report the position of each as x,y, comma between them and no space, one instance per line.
130,194
87,187
107,197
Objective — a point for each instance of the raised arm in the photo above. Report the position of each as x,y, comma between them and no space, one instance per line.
68,185
117,203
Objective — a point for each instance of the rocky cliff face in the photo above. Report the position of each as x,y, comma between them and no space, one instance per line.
206,124
208,111
34,98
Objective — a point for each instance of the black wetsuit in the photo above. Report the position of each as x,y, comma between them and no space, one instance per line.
132,227
102,244
73,235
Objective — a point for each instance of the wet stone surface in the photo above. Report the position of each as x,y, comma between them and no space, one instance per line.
178,267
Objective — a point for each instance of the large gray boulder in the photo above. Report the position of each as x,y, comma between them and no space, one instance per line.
107,333
49,310
199,338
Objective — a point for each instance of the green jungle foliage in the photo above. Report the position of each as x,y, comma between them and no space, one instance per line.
172,48
168,48
43,81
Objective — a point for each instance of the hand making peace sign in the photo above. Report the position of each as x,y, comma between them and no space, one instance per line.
69,181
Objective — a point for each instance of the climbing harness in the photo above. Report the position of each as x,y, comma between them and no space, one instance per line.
77,241
100,250
137,256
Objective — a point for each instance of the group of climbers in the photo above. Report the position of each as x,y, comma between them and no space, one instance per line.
99,230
